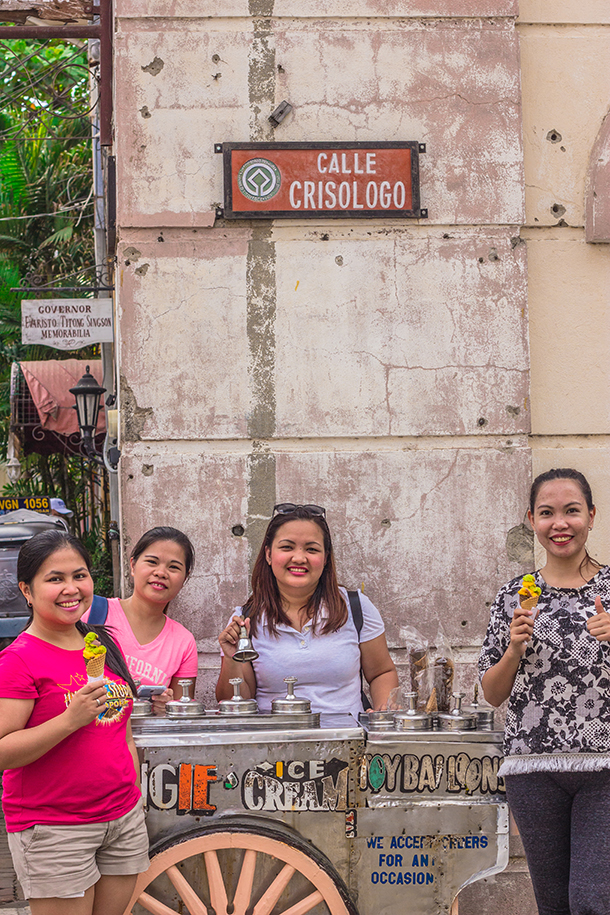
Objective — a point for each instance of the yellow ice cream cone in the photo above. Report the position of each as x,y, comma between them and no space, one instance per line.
95,667
529,592
528,603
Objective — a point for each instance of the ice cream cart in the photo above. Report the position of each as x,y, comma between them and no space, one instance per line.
286,813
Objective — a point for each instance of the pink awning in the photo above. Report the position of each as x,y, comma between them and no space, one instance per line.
49,383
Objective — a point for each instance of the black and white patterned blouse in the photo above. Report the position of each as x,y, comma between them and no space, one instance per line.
558,715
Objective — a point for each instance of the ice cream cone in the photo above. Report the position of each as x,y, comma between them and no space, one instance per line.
529,593
528,603
95,667
95,657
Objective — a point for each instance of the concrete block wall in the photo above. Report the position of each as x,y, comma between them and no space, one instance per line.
378,367
408,375
565,49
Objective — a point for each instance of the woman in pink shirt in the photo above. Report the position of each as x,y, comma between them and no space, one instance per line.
158,650
71,797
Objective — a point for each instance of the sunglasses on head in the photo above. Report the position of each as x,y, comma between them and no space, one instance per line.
287,508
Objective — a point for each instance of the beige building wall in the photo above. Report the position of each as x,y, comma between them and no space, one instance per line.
377,367
565,76
565,73
408,375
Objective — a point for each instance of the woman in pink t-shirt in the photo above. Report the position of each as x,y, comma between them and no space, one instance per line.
71,797
158,650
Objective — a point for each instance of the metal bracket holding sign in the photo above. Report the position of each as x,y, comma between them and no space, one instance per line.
321,180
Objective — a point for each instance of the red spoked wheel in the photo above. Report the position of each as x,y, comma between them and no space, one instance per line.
238,871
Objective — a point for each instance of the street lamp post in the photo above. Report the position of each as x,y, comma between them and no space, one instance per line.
87,394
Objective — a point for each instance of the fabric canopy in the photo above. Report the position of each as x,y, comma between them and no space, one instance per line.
49,383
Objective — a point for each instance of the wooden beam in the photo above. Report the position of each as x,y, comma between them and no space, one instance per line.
44,31
19,11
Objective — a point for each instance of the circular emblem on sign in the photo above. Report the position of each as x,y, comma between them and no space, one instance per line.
376,772
259,179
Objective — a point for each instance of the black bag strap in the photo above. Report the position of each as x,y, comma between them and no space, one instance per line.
99,611
356,608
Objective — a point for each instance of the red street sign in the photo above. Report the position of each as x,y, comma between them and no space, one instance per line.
329,180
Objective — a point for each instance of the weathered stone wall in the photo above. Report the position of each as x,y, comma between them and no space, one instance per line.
565,52
378,367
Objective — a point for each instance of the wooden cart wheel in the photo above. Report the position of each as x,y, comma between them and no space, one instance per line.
228,872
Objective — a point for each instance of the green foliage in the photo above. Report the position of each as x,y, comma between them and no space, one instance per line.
97,544
46,234
46,200
45,75
46,203
13,185
79,484
55,475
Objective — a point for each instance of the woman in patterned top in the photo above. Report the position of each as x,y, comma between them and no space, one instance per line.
553,664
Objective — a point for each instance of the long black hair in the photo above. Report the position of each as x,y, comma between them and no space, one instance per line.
154,535
33,554
265,604
566,473
166,533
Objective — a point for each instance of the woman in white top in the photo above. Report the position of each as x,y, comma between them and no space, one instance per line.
301,624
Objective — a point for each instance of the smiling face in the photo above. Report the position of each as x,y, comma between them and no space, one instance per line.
562,519
61,591
159,572
297,558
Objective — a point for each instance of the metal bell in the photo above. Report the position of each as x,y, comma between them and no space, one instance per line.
245,651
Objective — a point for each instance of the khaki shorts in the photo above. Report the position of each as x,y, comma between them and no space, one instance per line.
64,861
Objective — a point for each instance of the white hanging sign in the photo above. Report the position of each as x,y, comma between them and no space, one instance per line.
66,324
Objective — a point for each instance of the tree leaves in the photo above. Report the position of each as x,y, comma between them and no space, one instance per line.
46,210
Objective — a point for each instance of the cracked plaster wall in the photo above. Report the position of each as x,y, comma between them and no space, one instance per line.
380,368
565,49
453,84
352,338
429,339
407,375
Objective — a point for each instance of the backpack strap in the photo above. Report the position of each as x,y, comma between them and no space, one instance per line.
99,611
356,608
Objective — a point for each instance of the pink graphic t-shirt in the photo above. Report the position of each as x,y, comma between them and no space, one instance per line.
172,654
89,777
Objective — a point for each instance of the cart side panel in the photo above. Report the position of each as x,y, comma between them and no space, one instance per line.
416,858
308,786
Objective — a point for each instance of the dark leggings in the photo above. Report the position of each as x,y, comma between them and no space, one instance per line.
564,822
